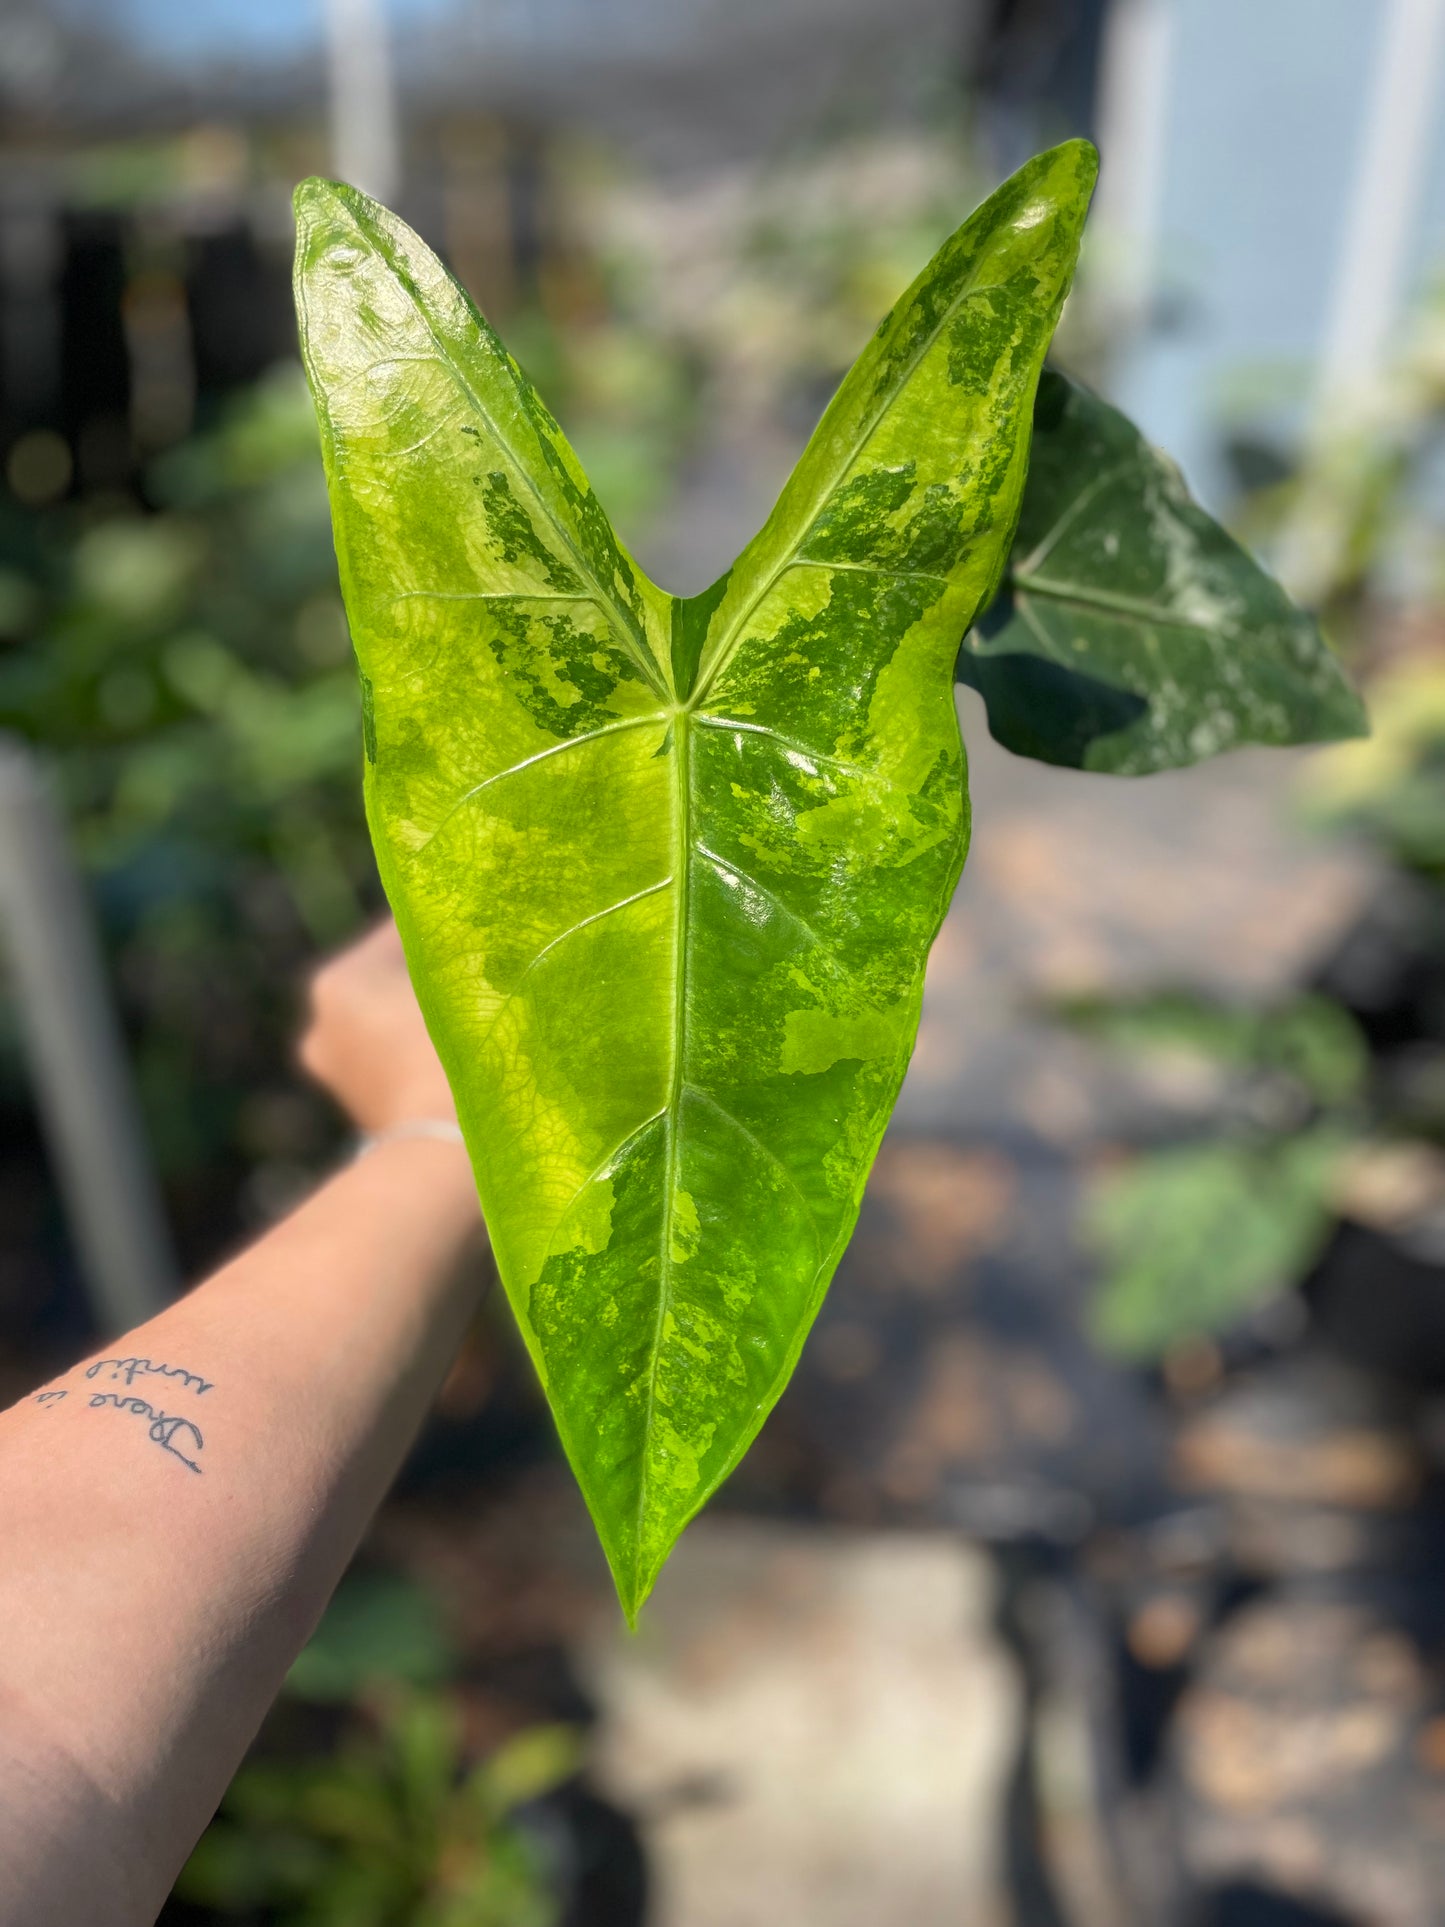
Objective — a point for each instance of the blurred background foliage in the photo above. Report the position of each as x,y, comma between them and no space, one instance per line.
1192,1237
182,657
389,1827
372,1801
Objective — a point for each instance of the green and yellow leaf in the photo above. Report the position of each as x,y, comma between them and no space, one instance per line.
667,871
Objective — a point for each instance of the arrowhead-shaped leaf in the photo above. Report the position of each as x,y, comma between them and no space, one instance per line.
667,871
1132,633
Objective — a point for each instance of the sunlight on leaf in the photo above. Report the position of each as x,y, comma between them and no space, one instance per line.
667,872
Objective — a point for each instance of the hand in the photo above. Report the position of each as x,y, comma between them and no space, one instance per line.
365,1040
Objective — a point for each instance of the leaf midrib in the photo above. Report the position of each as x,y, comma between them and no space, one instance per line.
693,705
682,875
1111,602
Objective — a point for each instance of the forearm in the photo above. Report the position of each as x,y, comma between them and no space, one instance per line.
175,1511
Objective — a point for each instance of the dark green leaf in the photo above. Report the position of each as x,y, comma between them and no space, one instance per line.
1131,633
667,876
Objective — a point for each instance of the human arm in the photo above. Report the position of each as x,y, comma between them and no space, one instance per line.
176,1509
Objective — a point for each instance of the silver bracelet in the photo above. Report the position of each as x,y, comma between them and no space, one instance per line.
444,1129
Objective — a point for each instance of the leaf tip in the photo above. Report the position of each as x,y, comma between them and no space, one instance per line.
1342,716
1354,717
634,1581
334,223
314,193
1079,157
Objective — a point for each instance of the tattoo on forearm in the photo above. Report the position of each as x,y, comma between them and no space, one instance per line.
131,1368
169,1430
163,1425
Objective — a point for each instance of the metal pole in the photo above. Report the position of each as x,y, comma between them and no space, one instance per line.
365,145
83,1087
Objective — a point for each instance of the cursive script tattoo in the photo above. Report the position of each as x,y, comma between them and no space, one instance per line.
163,1425
42,1398
131,1368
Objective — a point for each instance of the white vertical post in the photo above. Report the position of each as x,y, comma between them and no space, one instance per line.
82,1085
365,143
1384,203
1371,274
1135,64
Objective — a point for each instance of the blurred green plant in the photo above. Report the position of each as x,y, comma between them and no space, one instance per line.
393,1829
396,1826
1390,787
1193,1238
186,667
1357,524
379,1628
1190,1238
1301,1053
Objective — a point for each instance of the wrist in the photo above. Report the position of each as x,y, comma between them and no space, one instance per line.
428,1155
411,1167
438,1130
